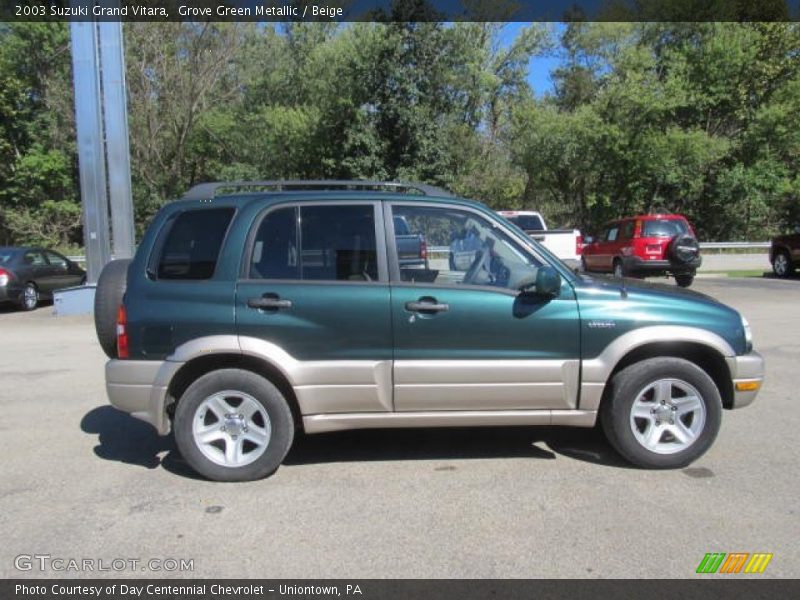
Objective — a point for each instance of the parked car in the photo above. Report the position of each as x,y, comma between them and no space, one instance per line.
643,246
566,244
28,275
218,330
412,249
784,253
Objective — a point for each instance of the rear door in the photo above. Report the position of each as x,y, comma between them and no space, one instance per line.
464,338
314,293
59,269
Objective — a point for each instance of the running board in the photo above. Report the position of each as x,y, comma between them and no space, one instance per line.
447,418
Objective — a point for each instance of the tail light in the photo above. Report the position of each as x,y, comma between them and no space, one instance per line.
5,277
122,332
423,250
579,245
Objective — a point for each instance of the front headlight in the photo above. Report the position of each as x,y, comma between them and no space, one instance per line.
748,335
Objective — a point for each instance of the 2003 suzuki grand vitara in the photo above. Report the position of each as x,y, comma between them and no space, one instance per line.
284,306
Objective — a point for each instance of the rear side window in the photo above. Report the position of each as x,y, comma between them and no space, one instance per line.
192,245
316,243
664,227
528,222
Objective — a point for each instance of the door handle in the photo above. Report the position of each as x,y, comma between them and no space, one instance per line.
427,306
269,303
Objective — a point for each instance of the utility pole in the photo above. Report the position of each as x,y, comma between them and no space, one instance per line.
101,120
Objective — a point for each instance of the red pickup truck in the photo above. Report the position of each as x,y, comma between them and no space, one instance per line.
645,245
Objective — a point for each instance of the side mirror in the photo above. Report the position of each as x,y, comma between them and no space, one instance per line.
547,283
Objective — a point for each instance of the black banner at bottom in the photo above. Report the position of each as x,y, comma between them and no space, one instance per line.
390,589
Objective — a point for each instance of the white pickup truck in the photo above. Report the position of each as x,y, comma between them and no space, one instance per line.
566,244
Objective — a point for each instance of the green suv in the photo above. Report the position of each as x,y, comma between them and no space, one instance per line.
284,307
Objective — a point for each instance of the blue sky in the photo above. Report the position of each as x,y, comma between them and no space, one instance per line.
540,67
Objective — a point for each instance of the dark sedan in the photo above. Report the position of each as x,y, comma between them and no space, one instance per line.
28,275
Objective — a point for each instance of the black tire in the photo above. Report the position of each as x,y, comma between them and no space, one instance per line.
107,298
683,249
684,279
782,264
615,413
617,269
264,393
28,297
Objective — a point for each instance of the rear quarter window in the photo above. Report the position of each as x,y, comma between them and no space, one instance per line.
191,244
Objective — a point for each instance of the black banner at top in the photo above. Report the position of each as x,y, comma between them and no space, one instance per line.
399,10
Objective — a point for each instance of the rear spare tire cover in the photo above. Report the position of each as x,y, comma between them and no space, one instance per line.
683,249
107,298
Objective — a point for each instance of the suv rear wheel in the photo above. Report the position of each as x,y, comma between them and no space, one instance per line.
233,425
662,413
684,279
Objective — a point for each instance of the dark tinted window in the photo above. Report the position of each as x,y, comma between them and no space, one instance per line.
626,232
528,222
56,260
192,246
326,243
664,227
33,258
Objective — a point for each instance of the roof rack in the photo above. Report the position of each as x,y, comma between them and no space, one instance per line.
206,191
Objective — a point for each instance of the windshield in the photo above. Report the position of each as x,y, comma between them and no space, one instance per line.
665,227
528,222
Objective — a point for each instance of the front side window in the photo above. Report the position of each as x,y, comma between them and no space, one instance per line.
57,260
191,247
477,251
316,243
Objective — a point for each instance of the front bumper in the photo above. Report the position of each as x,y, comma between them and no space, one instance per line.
634,264
139,387
747,373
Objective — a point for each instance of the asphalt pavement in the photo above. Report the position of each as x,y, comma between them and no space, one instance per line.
83,481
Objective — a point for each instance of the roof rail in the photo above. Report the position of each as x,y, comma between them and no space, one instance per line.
206,191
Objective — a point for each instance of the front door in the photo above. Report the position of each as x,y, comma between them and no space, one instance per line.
314,298
464,336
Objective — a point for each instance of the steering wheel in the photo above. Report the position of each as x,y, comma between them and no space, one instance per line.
482,261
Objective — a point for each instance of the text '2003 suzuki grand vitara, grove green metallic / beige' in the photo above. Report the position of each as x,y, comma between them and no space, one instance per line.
284,306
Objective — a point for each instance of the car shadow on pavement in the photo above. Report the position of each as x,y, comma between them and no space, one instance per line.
121,438
454,444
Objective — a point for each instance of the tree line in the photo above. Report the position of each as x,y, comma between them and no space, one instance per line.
697,118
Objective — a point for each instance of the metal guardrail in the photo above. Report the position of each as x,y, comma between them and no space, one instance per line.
733,245
703,246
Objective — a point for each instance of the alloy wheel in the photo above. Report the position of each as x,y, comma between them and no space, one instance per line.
231,428
667,416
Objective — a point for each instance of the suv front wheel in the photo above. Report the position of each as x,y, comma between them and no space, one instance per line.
662,413
233,425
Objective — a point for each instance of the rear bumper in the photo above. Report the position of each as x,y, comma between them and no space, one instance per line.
10,293
747,373
139,388
634,264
